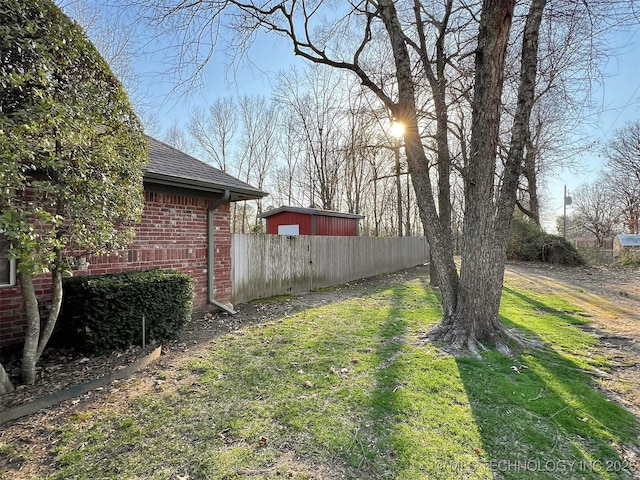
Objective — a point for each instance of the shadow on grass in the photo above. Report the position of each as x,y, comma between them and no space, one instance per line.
370,447
389,380
419,402
539,414
351,390
374,444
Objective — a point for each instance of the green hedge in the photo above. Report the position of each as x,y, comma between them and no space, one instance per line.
102,313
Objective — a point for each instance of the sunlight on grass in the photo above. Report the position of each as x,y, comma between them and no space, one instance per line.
353,390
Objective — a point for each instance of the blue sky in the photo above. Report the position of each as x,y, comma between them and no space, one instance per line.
616,101
254,75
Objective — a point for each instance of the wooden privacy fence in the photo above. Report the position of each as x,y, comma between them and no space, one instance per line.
268,265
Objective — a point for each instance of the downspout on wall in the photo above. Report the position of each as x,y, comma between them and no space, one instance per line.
211,251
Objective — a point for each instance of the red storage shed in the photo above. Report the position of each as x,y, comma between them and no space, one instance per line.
310,221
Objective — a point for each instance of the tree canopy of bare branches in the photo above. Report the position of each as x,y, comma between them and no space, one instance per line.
623,176
463,77
595,211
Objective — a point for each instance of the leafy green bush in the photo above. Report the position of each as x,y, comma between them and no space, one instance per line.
102,313
71,152
529,243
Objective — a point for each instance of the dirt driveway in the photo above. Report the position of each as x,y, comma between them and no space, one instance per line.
610,298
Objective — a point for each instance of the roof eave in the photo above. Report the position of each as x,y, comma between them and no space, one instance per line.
237,194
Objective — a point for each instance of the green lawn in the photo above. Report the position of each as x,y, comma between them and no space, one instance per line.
352,390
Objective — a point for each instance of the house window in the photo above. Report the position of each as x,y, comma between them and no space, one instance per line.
7,266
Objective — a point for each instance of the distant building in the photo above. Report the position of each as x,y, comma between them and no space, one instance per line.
626,243
592,242
310,221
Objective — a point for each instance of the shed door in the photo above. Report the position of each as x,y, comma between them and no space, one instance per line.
288,229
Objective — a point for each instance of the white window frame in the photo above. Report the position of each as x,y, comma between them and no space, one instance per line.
12,271
290,230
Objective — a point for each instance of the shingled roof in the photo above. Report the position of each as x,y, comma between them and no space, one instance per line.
171,167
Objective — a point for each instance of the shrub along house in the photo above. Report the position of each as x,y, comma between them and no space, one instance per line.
185,226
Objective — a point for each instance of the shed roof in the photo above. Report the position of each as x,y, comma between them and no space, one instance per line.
171,167
629,240
310,211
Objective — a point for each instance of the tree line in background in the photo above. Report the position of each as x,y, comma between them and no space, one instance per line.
488,93
610,204
324,140
319,142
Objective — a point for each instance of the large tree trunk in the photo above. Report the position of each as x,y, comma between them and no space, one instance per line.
439,241
475,322
475,319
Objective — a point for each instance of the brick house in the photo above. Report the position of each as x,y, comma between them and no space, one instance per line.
185,225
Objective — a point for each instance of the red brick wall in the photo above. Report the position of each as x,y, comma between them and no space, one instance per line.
171,234
11,315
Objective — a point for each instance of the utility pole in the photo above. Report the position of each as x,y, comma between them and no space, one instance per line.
565,201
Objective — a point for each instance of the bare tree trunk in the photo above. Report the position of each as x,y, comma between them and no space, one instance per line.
36,339
433,273
418,164
476,315
5,384
244,215
376,217
476,322
532,181
32,335
52,318
407,228
234,218
529,171
398,186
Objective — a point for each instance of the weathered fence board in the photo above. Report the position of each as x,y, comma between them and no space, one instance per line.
268,265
